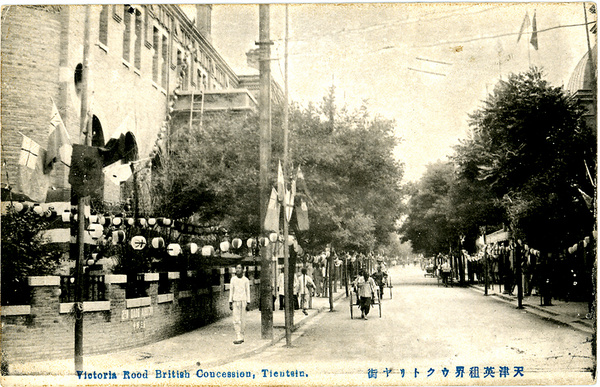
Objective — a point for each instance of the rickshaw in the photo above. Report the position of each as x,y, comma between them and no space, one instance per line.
354,302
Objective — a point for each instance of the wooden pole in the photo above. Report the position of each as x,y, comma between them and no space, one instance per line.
286,248
264,43
85,128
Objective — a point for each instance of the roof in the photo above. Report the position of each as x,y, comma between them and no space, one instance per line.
582,77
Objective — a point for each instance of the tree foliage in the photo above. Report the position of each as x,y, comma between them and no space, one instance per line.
347,159
521,165
24,254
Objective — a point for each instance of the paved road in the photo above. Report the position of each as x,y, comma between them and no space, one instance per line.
426,326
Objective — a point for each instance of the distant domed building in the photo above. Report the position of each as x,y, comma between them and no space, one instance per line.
583,85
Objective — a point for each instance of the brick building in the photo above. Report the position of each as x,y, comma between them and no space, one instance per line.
136,58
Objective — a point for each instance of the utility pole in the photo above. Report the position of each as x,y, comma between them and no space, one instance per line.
82,202
485,259
264,43
286,249
518,257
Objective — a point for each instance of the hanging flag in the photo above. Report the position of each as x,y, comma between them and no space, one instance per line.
302,215
280,183
526,23
534,34
272,215
59,143
302,187
289,205
32,181
118,172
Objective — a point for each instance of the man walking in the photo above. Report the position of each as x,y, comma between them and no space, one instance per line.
305,288
239,302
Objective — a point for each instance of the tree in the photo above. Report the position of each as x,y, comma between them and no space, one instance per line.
530,145
347,158
24,254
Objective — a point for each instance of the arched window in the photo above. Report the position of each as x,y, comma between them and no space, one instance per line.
97,134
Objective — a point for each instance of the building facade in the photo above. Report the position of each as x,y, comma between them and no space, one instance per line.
138,56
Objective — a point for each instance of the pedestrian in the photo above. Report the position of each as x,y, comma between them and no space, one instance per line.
296,291
380,278
281,288
318,280
305,288
366,292
239,302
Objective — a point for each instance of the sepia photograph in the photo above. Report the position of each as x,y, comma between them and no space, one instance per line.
299,194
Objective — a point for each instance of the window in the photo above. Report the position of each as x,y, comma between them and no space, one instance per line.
165,62
156,56
77,77
137,60
127,35
103,28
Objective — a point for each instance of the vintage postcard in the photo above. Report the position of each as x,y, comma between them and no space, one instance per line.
355,194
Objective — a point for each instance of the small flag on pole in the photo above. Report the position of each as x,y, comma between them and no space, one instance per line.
32,181
280,183
272,215
534,34
59,142
526,23
302,216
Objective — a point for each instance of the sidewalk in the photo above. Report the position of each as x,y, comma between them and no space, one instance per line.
209,346
572,314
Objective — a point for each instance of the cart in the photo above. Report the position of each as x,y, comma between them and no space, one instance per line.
429,271
355,304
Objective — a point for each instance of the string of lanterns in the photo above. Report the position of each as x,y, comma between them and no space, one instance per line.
113,229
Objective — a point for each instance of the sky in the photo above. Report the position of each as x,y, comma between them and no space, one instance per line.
378,52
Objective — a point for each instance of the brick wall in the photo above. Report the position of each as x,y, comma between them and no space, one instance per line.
30,59
46,329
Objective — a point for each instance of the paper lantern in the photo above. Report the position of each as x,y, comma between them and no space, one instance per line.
117,221
96,230
157,243
173,249
66,216
38,210
94,219
586,241
224,246
192,248
130,221
138,242
166,222
250,243
291,239
101,220
595,234
236,243
18,207
207,250
48,213
142,222
151,221
273,237
90,262
263,241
